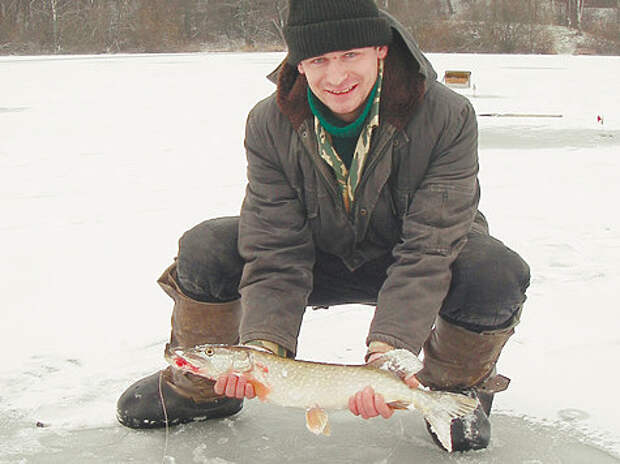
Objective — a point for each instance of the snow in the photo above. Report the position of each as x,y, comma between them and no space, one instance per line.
106,160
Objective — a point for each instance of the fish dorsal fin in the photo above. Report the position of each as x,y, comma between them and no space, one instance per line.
399,405
317,421
258,348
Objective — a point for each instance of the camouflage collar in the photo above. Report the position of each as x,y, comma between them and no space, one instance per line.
348,179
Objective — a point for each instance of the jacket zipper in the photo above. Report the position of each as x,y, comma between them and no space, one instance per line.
386,136
323,169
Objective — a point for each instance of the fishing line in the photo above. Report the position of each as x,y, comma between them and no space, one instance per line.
163,406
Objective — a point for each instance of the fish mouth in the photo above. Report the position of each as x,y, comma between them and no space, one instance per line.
169,353
178,359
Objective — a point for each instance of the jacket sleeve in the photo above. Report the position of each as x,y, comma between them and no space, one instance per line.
435,228
276,243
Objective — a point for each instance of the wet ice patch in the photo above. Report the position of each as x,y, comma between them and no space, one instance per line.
571,415
12,110
199,457
527,137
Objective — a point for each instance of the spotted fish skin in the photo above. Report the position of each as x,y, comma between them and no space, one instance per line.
316,386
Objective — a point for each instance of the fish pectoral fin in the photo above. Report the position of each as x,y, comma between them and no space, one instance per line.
261,390
327,430
317,421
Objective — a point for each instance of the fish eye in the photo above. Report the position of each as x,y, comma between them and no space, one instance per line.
210,351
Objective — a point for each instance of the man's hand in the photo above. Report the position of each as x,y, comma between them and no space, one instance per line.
234,386
368,404
237,386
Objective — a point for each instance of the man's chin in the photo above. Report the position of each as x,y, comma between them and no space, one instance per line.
348,116
345,112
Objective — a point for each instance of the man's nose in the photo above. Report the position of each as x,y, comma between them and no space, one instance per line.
337,73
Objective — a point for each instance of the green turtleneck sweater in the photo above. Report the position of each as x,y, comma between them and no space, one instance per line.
344,135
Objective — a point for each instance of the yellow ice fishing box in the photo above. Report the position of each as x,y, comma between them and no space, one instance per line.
457,79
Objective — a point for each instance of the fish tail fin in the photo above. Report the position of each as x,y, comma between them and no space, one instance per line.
442,408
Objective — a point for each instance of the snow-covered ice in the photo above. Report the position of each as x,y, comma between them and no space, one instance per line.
106,160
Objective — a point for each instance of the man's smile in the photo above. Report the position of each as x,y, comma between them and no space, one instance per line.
343,91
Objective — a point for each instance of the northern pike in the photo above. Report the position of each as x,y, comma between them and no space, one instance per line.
317,387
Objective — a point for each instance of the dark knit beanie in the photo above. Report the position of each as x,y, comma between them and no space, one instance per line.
316,27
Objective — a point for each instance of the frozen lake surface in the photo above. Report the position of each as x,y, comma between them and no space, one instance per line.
106,160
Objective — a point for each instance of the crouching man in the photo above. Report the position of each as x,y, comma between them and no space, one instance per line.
362,188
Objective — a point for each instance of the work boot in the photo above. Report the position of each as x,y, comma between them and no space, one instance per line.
186,397
460,360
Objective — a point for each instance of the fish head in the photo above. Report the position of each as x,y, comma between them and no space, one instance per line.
209,360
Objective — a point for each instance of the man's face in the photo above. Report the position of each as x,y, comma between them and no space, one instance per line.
343,80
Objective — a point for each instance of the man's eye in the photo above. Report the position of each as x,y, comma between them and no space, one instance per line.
350,55
318,61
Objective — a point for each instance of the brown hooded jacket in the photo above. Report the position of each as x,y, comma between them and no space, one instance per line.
417,199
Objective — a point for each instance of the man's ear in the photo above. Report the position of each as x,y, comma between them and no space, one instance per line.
382,51
300,68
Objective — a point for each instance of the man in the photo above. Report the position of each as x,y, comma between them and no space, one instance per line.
362,188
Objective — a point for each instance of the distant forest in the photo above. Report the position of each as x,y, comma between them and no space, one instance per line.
112,26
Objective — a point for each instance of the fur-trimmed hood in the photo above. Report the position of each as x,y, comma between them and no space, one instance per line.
406,79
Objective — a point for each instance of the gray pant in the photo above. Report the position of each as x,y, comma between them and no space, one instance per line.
488,279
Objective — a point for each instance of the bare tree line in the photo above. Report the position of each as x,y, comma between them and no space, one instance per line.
104,26
137,25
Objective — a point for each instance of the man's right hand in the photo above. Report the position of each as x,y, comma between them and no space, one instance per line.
234,386
237,386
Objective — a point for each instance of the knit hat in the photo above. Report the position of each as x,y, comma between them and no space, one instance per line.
316,27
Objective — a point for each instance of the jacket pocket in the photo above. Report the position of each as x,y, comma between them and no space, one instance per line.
439,217
311,202
400,201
